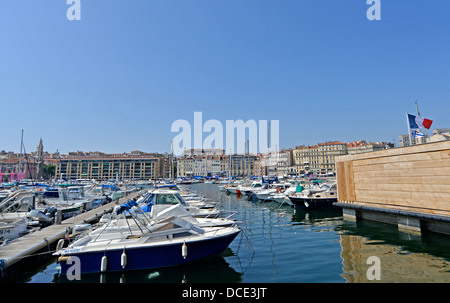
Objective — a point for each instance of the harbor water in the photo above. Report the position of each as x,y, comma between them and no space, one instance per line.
279,244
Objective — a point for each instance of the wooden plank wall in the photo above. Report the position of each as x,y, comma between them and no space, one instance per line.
415,178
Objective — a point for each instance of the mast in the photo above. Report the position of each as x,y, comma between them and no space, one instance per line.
171,162
20,157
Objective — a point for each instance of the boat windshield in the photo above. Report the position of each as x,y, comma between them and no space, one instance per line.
169,199
51,193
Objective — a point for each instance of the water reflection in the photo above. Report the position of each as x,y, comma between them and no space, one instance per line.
316,216
211,270
403,257
283,244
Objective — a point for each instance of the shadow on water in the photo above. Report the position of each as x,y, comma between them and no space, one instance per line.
210,270
314,216
381,233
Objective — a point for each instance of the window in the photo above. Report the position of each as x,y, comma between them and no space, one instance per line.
167,199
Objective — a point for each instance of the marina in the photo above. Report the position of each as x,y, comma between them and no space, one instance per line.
282,243
43,240
224,142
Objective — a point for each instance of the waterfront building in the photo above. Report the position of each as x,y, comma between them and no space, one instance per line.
238,165
242,165
16,167
404,140
272,160
284,163
321,158
361,146
260,165
441,131
440,134
318,158
224,165
136,165
204,152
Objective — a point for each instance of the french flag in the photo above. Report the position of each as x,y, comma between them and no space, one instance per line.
416,121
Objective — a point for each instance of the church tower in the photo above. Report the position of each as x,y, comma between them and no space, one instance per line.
39,160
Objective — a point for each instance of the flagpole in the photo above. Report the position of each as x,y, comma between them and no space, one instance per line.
409,129
417,109
425,132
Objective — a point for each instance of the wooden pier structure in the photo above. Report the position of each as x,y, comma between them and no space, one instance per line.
406,186
13,255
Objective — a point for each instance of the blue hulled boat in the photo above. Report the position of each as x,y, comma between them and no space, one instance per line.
173,241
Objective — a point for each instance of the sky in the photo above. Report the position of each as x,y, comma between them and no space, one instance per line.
117,79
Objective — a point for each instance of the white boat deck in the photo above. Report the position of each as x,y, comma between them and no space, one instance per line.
26,245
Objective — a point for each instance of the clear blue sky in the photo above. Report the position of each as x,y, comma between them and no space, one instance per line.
116,80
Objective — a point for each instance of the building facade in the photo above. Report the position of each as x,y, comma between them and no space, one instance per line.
318,158
100,166
211,166
204,152
362,146
260,165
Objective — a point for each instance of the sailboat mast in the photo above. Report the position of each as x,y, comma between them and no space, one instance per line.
171,163
20,156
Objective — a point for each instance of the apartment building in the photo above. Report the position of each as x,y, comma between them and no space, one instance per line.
318,158
100,166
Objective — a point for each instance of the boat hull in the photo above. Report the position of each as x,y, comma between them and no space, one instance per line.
312,203
267,197
152,256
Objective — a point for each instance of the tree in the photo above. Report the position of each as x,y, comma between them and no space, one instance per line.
49,171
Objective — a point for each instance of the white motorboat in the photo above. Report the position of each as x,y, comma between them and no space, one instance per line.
315,197
161,199
12,228
172,241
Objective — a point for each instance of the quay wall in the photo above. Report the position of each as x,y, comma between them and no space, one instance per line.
413,181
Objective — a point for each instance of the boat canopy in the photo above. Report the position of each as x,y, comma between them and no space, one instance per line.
126,206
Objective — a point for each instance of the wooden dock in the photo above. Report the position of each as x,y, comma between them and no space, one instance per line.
407,186
45,240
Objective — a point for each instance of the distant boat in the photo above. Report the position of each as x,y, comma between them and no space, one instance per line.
71,200
246,190
316,197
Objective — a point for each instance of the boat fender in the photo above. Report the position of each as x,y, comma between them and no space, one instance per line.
103,264
123,259
60,244
184,250
278,190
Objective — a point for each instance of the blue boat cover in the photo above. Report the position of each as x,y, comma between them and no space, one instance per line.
126,206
